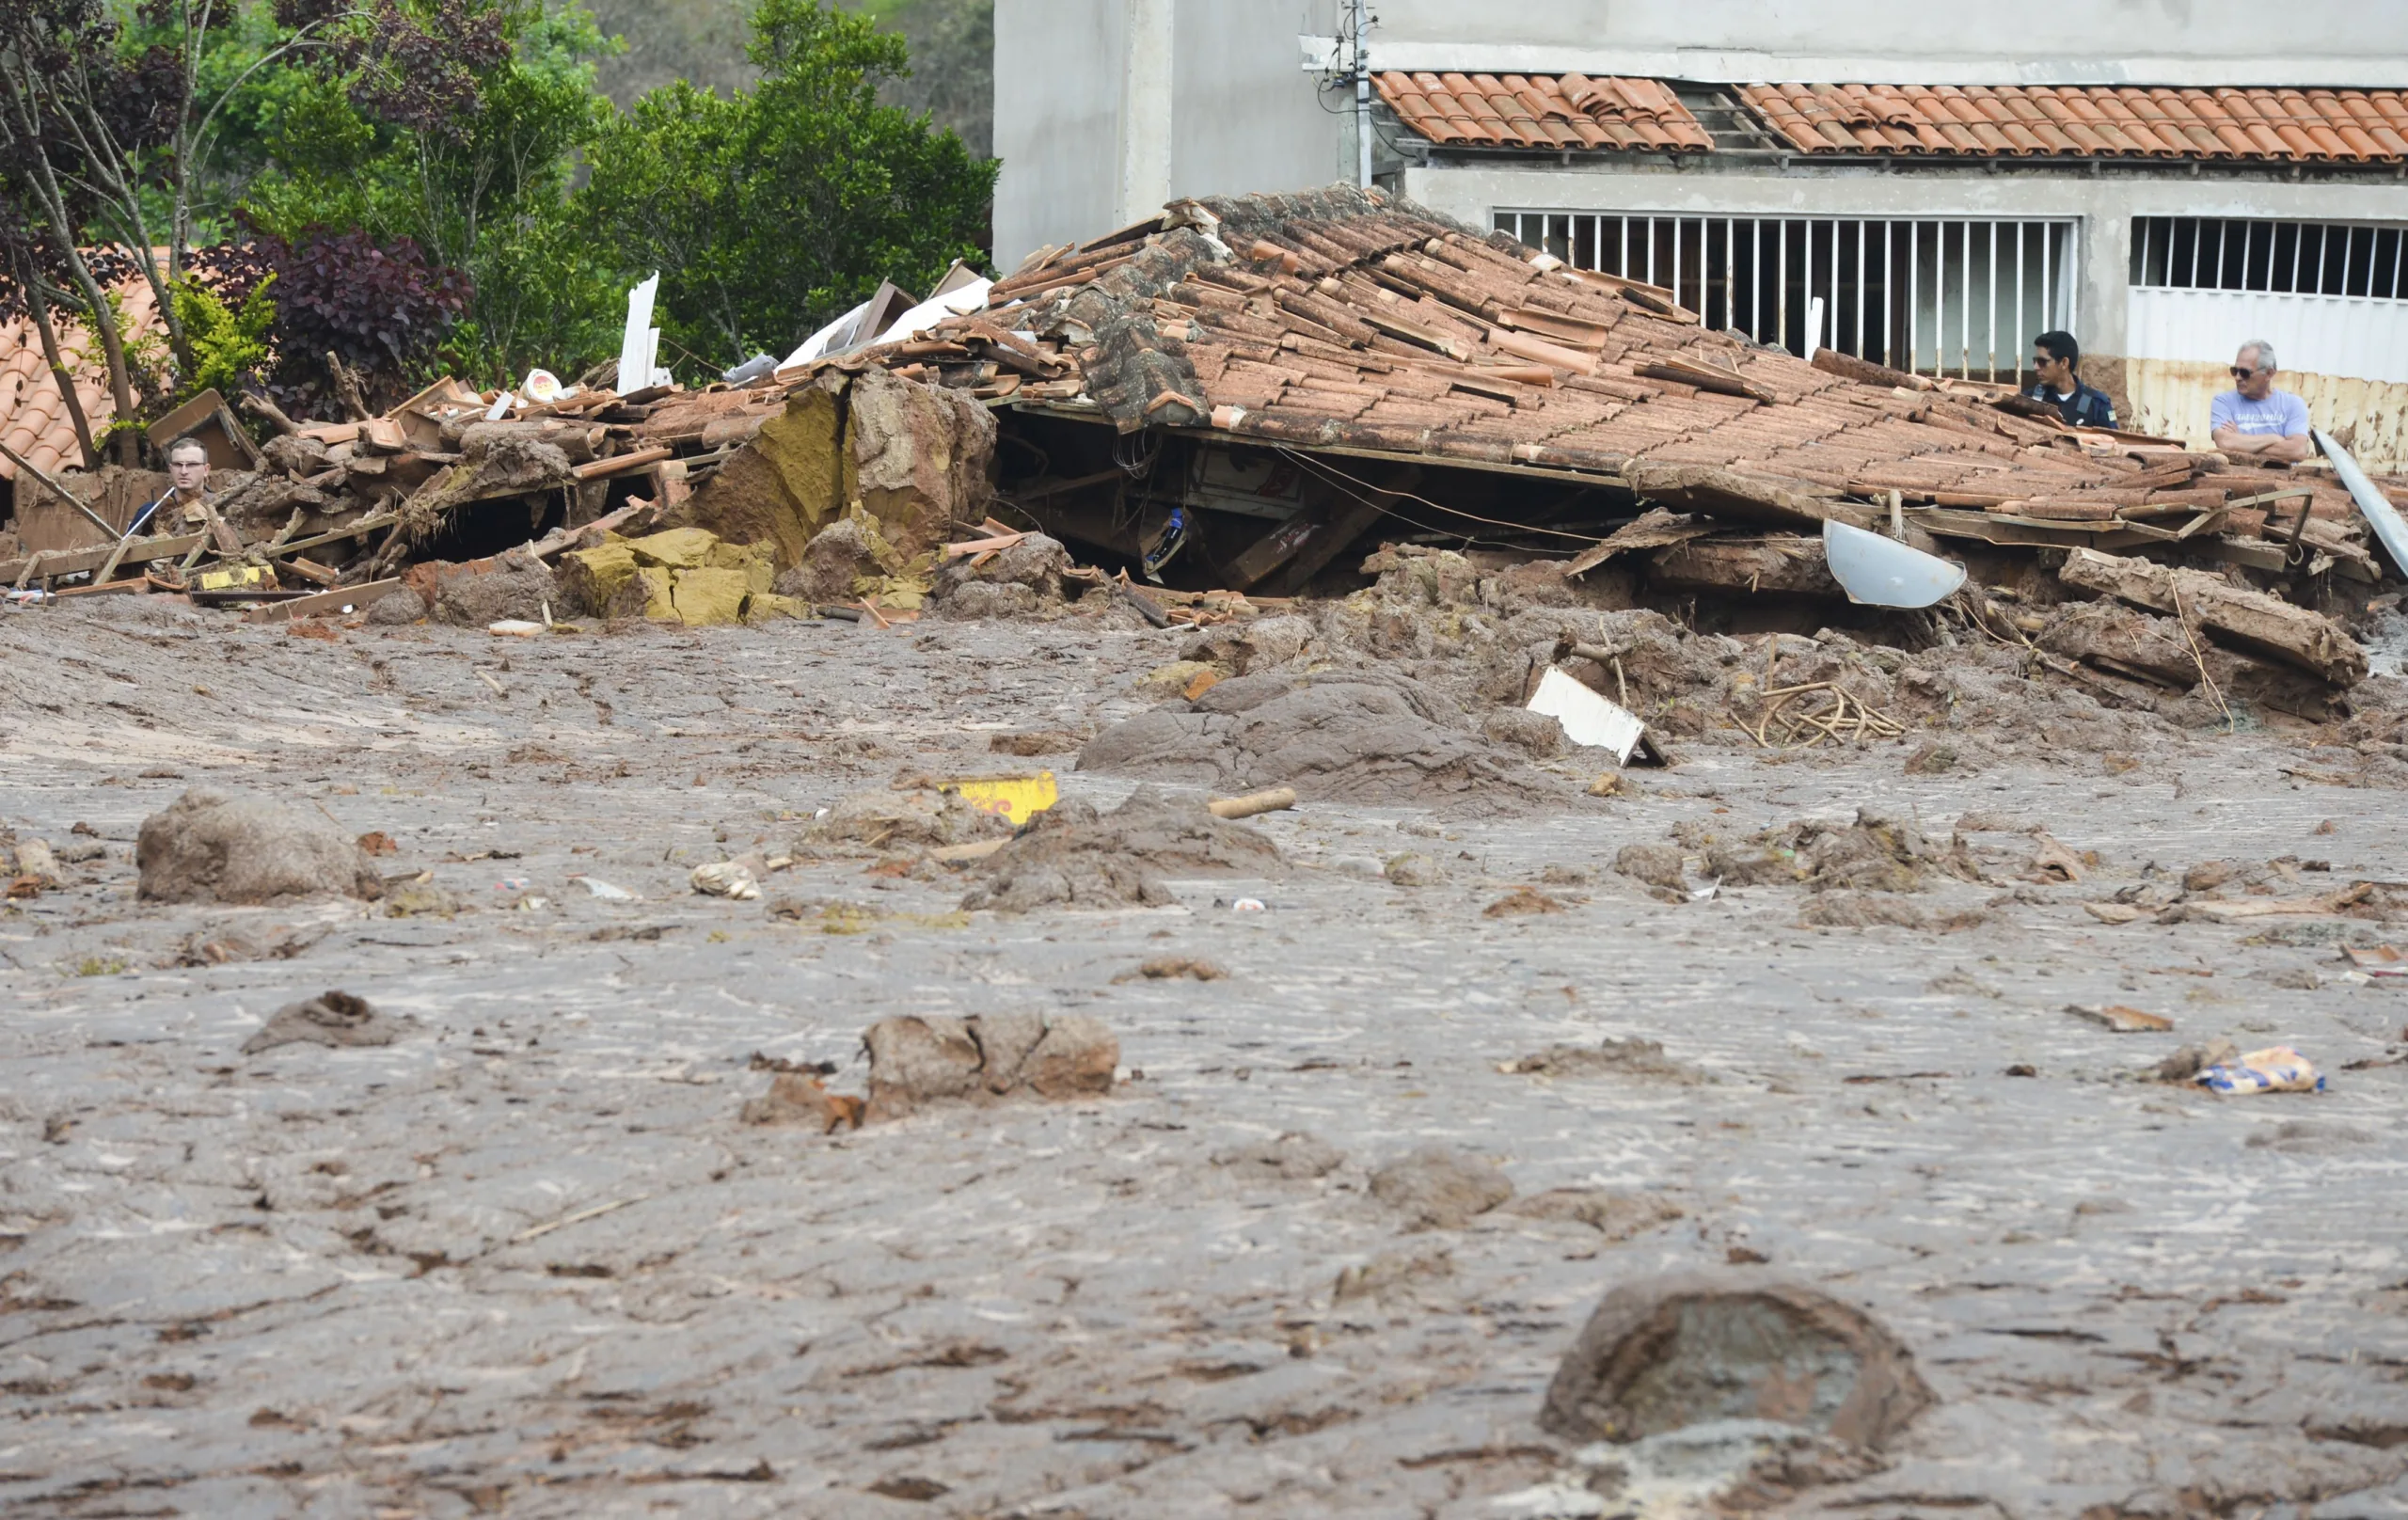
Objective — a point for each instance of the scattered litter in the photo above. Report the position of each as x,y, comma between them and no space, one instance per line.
2379,960
605,891
2115,913
1589,720
1013,798
732,879
2276,1069
516,627
1248,905
2121,1019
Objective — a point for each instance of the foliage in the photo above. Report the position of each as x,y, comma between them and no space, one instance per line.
483,192
778,207
229,344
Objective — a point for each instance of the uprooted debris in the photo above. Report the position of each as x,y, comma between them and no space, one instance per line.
331,1018
1642,1059
1070,855
930,816
208,847
1365,736
1874,852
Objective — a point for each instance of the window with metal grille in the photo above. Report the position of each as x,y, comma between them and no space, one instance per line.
2218,253
1937,296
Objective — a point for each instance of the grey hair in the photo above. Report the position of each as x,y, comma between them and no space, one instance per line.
187,441
2265,352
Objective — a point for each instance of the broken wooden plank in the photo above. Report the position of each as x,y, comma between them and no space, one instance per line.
1653,529
324,601
2247,619
1733,495
71,562
1784,562
365,525
620,463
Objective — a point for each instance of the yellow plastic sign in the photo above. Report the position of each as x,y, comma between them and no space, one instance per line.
1016,799
241,575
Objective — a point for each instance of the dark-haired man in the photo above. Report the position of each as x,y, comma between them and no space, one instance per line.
2053,355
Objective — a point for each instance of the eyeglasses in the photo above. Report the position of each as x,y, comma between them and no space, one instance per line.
2239,373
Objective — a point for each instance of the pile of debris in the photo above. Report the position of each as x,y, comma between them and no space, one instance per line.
1235,394
666,503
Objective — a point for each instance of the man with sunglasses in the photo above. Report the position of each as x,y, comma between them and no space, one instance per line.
2054,356
2253,419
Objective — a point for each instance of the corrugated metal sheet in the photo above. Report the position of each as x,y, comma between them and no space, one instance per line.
2369,417
2361,336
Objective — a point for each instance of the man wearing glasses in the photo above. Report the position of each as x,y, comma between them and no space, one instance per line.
2053,355
188,475
2254,418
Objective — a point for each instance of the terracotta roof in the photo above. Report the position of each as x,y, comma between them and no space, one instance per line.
2364,126
1345,319
33,418
1550,111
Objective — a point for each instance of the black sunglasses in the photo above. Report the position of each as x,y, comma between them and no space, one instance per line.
2239,373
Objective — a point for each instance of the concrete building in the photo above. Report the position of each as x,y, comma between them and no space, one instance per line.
1925,186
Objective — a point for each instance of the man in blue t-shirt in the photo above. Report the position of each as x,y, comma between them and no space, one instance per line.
2252,420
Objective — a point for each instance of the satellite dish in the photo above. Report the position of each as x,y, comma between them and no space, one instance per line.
1884,572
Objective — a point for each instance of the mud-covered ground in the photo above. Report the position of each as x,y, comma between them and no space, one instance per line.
527,1261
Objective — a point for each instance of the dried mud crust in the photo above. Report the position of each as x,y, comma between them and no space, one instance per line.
1371,737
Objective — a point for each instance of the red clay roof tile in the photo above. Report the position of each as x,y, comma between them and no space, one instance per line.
2367,126
33,418
1552,112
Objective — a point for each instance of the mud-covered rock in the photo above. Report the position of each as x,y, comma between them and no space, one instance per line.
208,847
923,816
482,591
1689,1350
917,1062
1439,1188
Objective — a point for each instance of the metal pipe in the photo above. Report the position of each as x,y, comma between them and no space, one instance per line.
1362,98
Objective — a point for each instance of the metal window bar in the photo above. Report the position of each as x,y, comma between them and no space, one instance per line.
1968,262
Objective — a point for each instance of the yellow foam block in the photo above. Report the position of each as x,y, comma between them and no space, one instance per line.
1018,799
241,575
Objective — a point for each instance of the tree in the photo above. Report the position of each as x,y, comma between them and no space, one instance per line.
775,208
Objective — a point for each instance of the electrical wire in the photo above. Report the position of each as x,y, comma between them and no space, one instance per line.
1329,470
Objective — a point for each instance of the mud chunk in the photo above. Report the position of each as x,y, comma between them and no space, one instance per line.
329,1019
1073,856
395,609
1617,1217
208,847
1393,1274
1437,1188
2190,1060
1615,1058
1172,968
1657,865
1535,735
1366,737
800,1100
1413,868
916,1062
1018,580
1873,853
923,815
1242,648
513,585
1861,910
1685,1351
838,554
1294,1157
2207,876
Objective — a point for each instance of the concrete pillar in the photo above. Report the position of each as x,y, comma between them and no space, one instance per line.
1145,109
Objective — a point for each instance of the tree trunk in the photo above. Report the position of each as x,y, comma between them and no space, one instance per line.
38,306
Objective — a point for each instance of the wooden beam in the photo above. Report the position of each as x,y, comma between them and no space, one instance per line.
324,601
140,551
365,525
2252,620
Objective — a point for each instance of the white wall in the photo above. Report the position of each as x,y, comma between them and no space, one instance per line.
1911,41
1243,115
